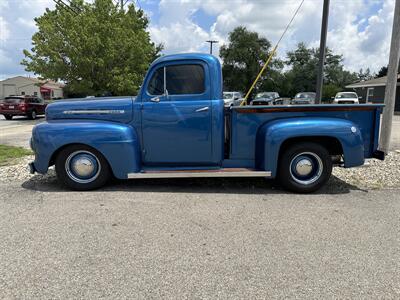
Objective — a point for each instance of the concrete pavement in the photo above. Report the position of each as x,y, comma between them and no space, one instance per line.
17,132
230,239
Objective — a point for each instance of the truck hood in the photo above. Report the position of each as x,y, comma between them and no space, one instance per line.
116,109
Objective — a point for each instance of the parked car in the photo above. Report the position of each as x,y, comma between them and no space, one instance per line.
304,98
30,106
265,98
346,98
230,98
175,128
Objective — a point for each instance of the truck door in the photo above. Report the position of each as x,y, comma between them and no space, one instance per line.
176,115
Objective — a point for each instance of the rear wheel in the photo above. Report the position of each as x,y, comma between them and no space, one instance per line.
8,117
82,168
305,167
32,115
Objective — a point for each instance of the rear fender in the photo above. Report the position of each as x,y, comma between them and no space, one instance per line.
119,143
272,135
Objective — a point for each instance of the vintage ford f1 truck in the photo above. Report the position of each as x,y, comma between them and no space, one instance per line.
177,127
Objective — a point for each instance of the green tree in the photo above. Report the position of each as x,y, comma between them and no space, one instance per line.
244,57
382,72
364,75
100,49
302,75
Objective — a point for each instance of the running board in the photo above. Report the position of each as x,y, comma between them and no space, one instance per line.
226,172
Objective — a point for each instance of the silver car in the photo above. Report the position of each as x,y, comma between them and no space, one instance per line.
304,98
231,98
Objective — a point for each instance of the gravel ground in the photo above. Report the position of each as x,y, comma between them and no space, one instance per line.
375,174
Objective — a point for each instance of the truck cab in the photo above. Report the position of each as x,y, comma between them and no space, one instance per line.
177,126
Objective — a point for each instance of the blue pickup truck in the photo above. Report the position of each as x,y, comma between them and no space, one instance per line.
178,127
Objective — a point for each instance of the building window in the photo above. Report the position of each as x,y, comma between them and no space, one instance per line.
370,94
22,93
35,93
52,93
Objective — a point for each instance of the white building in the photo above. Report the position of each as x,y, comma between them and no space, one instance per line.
20,85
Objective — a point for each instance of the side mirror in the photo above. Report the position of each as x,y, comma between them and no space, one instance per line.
236,98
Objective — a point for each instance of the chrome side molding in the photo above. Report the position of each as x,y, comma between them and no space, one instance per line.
93,111
199,174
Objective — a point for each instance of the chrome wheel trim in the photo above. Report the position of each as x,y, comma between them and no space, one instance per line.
80,164
33,115
306,168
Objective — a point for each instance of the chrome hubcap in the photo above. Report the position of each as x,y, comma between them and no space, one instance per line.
82,166
306,168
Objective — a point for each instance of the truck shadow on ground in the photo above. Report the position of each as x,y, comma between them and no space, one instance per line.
191,185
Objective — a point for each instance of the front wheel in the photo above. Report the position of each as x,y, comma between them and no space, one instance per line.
305,167
8,117
82,168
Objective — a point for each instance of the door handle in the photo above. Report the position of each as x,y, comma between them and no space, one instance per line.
155,99
202,109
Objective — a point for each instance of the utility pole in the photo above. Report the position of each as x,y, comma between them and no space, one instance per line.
390,91
322,48
211,44
122,4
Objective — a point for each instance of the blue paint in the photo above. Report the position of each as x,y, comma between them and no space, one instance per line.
273,134
118,142
185,132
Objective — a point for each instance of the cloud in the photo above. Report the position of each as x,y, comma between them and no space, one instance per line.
16,29
4,31
357,29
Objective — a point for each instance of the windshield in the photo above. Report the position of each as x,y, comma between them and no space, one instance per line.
305,95
264,95
347,95
228,95
12,100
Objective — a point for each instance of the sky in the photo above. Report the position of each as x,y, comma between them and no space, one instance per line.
360,30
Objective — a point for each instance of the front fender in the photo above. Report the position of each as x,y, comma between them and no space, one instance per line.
272,135
119,143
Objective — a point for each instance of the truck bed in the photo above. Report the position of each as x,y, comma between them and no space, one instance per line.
245,122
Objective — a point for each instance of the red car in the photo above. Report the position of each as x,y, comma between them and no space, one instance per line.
30,106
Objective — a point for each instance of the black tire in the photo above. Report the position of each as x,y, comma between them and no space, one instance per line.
8,117
309,156
32,115
65,171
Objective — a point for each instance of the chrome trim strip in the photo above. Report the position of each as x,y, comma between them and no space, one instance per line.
180,174
202,109
93,111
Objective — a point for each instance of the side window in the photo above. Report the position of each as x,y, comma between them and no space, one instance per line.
185,79
156,84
